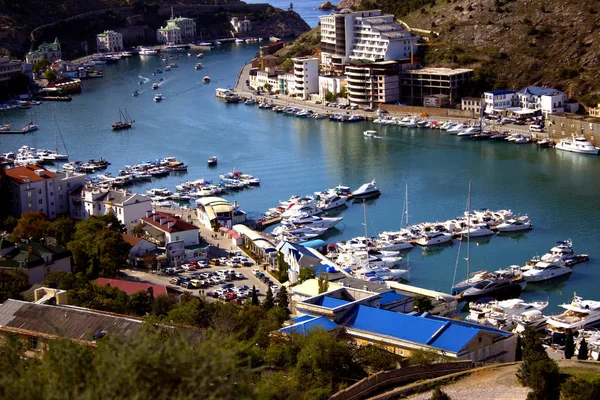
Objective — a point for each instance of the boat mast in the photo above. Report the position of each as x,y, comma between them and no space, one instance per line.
57,129
469,232
366,237
406,203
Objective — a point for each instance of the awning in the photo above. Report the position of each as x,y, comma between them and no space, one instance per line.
231,233
523,111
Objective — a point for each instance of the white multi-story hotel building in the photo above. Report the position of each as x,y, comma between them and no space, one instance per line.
498,100
363,35
545,100
306,73
34,188
109,41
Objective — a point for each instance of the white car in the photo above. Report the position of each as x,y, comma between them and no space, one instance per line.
186,267
239,276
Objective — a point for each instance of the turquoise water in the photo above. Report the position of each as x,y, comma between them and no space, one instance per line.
558,190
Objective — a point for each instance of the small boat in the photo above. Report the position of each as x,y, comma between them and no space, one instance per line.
30,127
434,239
250,102
124,121
544,143
367,191
212,161
135,93
206,79
500,288
158,97
199,55
168,68
199,66
371,134
514,225
155,85
140,83
158,71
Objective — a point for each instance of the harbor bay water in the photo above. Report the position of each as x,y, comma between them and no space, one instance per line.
557,190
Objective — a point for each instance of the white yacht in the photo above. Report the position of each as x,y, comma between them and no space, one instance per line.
477,231
300,210
146,51
367,191
331,202
561,253
455,130
371,134
312,221
515,225
529,319
577,145
473,130
158,97
434,238
543,271
578,315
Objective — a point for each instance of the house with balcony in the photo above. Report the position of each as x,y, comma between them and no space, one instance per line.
34,188
306,74
8,69
372,83
50,51
331,84
177,30
535,100
497,101
215,212
162,229
109,41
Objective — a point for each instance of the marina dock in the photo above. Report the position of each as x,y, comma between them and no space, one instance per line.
12,133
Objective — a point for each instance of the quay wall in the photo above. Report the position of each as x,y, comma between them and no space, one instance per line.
430,111
561,126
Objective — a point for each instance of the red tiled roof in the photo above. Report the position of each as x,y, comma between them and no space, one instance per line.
178,225
20,174
132,287
132,240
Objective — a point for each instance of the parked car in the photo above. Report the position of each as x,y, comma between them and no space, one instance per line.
239,276
186,267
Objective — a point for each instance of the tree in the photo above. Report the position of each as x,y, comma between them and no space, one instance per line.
438,394
268,302
41,65
254,299
12,283
323,282
544,380
306,274
569,345
140,303
32,225
580,389
138,230
162,305
422,304
150,261
268,87
582,354
50,75
518,349
533,351
343,92
62,229
283,301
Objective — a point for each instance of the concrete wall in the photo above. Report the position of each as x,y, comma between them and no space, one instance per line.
433,112
565,126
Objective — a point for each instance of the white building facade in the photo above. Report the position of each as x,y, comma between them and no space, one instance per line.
363,35
109,41
8,69
541,99
34,188
129,208
241,26
331,84
166,228
498,100
373,83
177,30
306,72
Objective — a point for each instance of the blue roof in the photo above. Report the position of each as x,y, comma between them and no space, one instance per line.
390,297
302,318
442,333
323,268
501,91
538,91
309,325
314,244
330,302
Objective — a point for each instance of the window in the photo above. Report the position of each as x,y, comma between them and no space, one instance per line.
59,187
40,201
51,193
39,191
28,194
33,343
61,206
30,204
60,197
176,237
51,203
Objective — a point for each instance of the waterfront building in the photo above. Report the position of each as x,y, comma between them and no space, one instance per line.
498,100
568,125
177,30
8,69
241,26
216,212
416,84
362,35
373,83
331,84
162,229
540,100
472,104
366,321
128,207
258,243
49,51
34,188
287,84
36,258
109,41
594,111
296,257
306,72
259,78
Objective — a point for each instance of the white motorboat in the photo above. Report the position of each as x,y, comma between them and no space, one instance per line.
392,245
299,210
434,238
411,123
579,314
476,231
371,134
206,79
515,225
331,202
473,130
367,191
158,97
529,319
577,145
561,253
155,85
456,129
314,221
146,51
198,66
30,127
543,271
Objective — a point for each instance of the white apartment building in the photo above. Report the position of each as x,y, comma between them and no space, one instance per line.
258,78
176,30
129,208
109,41
331,84
373,83
241,25
363,35
163,228
534,99
34,188
287,84
8,69
306,72
498,100
594,111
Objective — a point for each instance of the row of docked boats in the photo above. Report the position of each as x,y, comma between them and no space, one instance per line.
19,104
237,180
31,155
88,167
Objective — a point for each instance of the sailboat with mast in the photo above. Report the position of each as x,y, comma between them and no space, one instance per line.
500,284
32,126
54,154
124,121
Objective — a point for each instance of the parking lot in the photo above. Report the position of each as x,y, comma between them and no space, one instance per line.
228,279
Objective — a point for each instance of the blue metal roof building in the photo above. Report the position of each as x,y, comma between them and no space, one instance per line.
500,92
310,324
